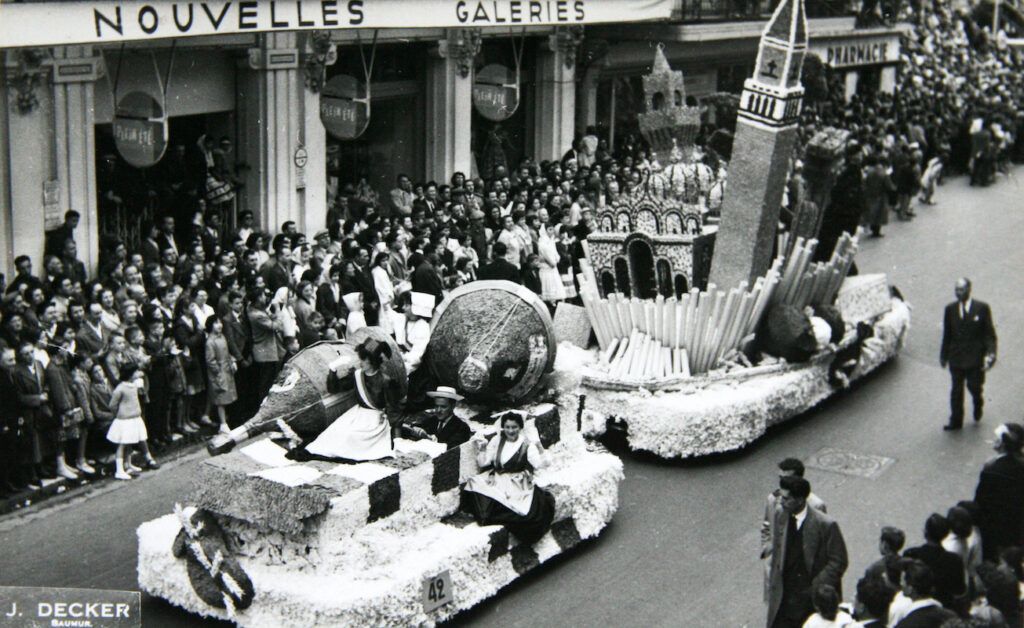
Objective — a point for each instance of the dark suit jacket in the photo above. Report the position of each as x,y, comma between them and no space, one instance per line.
824,554
927,617
239,345
966,340
371,300
454,433
1000,500
326,304
150,250
165,242
427,280
275,275
500,269
947,568
29,388
531,279
89,341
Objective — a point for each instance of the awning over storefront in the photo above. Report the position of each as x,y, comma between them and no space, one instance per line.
59,23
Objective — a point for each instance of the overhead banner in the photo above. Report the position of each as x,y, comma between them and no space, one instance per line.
58,23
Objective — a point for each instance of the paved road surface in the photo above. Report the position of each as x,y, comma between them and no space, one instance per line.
682,550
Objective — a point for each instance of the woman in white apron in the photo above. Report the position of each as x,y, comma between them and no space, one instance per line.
504,494
364,431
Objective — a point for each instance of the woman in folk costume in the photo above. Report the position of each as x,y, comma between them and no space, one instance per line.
411,317
385,288
282,309
364,431
355,320
418,308
504,493
551,287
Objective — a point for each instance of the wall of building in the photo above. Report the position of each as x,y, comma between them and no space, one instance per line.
201,81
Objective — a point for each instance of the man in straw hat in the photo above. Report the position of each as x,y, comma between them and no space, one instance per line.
439,423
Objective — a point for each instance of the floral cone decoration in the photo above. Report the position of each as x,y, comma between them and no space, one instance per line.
216,576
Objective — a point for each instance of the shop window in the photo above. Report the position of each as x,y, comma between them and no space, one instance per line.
393,142
507,142
127,197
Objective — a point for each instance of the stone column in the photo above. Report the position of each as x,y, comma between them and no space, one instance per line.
586,100
75,144
271,101
314,140
51,145
555,98
449,111
6,208
850,84
888,81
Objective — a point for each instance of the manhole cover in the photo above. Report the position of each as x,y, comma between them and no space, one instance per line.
850,463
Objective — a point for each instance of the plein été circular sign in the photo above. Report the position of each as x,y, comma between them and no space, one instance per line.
344,107
496,92
140,129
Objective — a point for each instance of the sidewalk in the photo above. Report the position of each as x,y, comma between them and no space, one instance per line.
67,489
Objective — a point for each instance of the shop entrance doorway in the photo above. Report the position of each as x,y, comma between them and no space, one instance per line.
127,197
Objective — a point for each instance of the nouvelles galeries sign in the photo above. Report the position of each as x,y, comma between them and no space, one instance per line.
56,23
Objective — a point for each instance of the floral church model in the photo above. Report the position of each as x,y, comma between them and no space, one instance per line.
270,538
690,372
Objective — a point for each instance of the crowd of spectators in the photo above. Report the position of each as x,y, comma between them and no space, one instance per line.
967,573
208,314
956,109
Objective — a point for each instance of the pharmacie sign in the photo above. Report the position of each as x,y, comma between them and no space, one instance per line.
848,53
55,23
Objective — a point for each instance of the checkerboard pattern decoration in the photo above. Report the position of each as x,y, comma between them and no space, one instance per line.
258,485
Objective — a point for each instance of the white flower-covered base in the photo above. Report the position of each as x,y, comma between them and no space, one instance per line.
387,589
730,413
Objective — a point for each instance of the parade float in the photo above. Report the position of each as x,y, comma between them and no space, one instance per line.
266,539
709,334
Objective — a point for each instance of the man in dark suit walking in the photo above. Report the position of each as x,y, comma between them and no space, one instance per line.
968,348
807,551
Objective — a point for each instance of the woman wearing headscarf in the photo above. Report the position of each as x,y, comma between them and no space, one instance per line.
282,308
551,288
505,493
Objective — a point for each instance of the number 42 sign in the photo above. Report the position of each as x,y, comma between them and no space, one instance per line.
437,591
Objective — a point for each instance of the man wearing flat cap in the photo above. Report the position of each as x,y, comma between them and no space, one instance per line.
439,423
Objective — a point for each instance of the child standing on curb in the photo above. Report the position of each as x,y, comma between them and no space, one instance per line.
128,429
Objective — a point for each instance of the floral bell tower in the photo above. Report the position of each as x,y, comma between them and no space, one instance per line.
766,134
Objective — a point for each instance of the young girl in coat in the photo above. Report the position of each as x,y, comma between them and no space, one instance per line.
128,429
